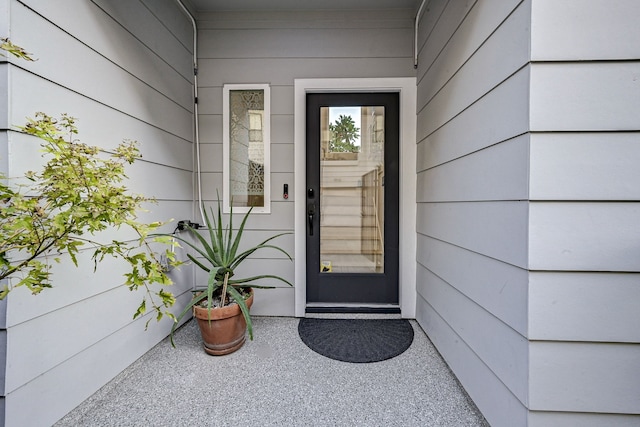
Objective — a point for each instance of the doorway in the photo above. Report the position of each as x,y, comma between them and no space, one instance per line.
406,88
352,195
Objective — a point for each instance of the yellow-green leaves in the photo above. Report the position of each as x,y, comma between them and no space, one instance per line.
142,309
15,50
77,194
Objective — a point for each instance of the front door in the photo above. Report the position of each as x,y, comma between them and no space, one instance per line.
352,201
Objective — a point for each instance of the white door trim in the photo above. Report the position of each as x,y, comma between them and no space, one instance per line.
406,86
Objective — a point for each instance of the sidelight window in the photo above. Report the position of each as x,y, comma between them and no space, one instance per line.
246,139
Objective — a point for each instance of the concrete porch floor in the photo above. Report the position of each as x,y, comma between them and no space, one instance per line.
276,380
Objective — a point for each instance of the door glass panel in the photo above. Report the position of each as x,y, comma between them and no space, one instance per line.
352,189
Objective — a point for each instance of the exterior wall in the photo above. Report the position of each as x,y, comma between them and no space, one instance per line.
527,186
584,251
124,70
276,48
4,166
472,218
528,253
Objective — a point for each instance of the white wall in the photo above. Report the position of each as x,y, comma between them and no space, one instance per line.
584,234
4,166
276,48
528,253
124,70
473,154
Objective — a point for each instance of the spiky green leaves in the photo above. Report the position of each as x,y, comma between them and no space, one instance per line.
219,256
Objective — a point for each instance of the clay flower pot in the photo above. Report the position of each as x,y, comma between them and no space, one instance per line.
217,253
223,329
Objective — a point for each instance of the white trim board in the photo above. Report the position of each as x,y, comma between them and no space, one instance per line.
406,86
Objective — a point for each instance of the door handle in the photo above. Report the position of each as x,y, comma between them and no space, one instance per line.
311,211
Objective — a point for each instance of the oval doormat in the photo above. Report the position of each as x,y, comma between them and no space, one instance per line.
356,340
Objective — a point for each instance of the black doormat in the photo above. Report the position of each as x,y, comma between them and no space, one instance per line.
356,340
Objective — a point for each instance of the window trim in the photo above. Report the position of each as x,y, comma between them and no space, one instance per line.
266,123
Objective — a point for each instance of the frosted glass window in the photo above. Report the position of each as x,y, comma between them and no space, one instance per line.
246,148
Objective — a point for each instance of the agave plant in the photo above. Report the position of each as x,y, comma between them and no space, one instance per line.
219,256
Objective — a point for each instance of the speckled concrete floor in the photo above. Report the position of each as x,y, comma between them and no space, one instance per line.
275,380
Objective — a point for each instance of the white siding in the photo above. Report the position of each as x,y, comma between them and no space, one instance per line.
527,182
276,48
495,173
4,168
528,205
473,179
500,288
585,377
579,30
584,234
487,391
494,229
589,96
125,74
563,419
580,306
585,166
496,117
478,329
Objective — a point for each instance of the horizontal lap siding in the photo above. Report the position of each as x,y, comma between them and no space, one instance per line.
563,419
277,48
584,252
585,236
479,330
589,96
104,79
494,229
496,117
469,368
585,166
95,119
603,307
606,30
498,287
472,182
585,377
287,43
125,74
495,173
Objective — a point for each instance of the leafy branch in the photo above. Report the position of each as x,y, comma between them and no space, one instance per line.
78,194
14,50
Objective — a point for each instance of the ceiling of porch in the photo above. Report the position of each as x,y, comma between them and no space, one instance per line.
239,5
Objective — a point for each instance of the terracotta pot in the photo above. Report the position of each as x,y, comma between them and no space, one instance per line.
224,330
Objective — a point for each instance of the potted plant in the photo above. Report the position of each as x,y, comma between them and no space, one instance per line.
222,309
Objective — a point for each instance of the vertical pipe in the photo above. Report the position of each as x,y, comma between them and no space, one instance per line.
195,107
415,35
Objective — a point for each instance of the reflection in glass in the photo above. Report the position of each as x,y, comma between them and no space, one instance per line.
247,148
352,189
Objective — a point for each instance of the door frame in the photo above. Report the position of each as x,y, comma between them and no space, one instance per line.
406,87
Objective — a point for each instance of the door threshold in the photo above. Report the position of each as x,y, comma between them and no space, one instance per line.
352,308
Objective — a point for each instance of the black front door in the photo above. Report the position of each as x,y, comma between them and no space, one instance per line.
352,201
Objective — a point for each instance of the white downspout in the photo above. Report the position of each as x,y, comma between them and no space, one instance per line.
195,108
415,35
